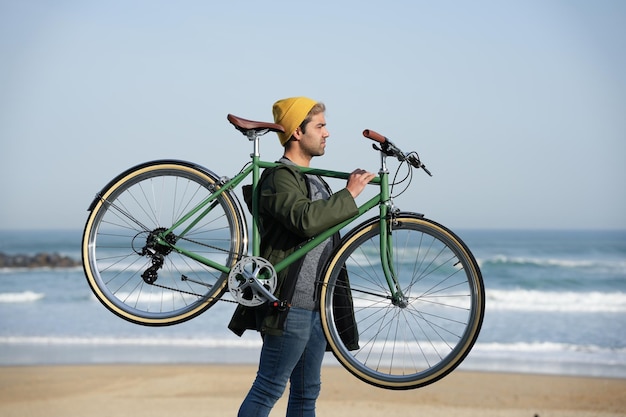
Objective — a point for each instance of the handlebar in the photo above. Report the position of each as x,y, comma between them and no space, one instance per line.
389,149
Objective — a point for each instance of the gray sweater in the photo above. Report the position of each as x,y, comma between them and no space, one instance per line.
304,295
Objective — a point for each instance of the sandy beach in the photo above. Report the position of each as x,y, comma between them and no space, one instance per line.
210,390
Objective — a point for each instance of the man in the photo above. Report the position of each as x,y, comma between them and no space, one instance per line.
294,207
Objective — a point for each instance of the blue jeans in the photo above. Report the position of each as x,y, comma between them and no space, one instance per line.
296,356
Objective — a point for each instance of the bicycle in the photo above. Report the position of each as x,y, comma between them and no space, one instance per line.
166,239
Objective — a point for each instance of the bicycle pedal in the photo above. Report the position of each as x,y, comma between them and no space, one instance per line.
281,305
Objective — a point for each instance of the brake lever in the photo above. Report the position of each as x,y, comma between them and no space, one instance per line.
415,161
389,149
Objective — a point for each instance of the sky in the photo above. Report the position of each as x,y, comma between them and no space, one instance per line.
517,107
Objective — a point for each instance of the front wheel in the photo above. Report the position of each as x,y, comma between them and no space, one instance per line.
414,336
135,269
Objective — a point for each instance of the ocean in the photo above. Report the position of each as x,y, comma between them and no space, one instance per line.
556,304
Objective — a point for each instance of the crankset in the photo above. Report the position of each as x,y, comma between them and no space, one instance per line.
252,281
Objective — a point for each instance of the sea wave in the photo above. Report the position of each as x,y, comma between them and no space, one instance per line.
537,357
547,347
568,301
217,342
549,357
130,341
20,270
496,299
504,260
20,297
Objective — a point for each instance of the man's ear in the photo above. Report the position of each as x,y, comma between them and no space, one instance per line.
297,134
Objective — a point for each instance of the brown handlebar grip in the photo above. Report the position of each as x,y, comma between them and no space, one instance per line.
370,134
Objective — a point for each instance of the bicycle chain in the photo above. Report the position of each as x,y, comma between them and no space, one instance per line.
202,244
189,293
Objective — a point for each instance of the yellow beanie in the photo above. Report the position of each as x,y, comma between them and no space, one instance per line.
290,113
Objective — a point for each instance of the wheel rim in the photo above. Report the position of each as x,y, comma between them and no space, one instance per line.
418,340
128,216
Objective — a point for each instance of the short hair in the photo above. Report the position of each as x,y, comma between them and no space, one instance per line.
317,109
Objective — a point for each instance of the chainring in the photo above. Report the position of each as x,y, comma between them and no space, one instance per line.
242,276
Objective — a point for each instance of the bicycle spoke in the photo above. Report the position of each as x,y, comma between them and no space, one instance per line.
416,338
138,270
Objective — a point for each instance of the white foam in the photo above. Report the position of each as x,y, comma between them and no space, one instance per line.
568,301
20,297
130,341
609,264
546,347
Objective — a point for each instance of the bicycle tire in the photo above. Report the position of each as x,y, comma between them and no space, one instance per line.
415,343
118,243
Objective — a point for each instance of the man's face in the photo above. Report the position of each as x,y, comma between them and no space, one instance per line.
313,141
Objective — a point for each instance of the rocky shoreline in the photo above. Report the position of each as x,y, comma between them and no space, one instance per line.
39,260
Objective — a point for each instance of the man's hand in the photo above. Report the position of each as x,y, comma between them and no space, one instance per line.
357,181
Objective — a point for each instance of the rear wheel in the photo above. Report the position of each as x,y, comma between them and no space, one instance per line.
414,340
128,260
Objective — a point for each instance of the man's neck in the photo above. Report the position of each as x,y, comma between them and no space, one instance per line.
297,158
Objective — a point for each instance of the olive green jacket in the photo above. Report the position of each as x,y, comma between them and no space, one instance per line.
288,219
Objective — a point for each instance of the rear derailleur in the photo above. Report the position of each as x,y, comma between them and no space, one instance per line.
156,250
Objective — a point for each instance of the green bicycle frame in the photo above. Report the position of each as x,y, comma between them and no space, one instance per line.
381,199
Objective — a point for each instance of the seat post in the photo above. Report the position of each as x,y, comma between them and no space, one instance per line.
253,136
256,173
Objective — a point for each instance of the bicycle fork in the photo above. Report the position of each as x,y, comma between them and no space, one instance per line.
386,251
387,221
